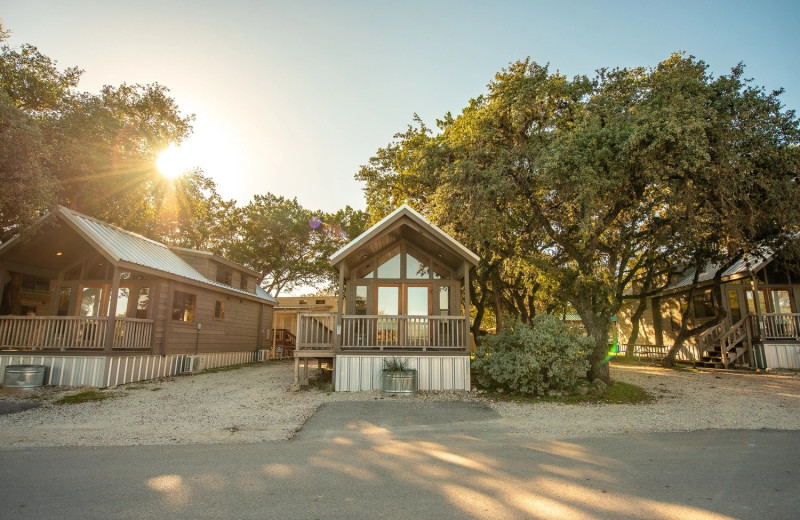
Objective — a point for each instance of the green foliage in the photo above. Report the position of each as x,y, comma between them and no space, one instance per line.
545,355
396,364
572,188
85,397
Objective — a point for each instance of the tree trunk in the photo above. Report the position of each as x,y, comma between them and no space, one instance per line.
635,318
498,302
597,327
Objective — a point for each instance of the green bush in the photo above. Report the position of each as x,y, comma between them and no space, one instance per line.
545,355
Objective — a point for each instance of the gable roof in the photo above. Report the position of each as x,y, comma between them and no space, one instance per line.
133,251
404,211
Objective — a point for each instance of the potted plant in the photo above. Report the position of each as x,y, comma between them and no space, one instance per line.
397,377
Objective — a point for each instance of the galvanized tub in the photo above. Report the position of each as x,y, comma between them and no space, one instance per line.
403,382
23,376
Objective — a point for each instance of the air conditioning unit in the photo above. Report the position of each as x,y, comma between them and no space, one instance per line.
193,364
262,355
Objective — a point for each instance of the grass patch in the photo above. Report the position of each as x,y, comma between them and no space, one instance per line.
85,397
226,368
617,393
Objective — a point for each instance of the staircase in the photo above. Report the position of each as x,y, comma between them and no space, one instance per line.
722,348
285,342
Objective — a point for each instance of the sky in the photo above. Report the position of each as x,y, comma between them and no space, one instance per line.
292,97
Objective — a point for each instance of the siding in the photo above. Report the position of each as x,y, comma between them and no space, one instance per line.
782,356
102,372
236,332
360,373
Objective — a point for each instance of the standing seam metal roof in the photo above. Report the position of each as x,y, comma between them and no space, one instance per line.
125,246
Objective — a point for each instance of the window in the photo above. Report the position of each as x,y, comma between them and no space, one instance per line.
219,309
444,301
122,301
389,264
224,275
320,302
183,306
361,300
243,283
416,266
64,299
143,303
703,305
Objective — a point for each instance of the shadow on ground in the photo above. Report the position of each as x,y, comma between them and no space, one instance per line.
396,416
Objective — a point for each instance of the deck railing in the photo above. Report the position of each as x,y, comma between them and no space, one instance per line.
774,325
315,331
73,333
409,333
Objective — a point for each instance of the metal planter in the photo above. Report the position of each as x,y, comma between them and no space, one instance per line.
23,376
402,382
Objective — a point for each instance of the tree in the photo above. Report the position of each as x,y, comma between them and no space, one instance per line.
591,183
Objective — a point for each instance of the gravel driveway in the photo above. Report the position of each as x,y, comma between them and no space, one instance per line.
254,404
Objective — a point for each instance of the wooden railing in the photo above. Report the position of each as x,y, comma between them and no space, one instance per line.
740,333
73,333
779,326
315,330
410,333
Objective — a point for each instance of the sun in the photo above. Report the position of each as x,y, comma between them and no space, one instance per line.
172,162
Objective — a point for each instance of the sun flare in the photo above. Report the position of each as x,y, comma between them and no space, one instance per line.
172,162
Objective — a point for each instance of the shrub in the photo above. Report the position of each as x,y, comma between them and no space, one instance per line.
532,359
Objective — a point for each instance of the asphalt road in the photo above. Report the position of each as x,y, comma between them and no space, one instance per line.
353,461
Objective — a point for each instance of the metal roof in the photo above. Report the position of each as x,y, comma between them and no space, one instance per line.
743,266
120,245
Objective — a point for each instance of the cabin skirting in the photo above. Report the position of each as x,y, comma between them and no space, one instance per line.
361,373
782,355
106,371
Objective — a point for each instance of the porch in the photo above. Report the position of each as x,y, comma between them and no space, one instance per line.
75,333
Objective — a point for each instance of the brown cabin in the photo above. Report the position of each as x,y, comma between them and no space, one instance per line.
101,306
761,330
403,292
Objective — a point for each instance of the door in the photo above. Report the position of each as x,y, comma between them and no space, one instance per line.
417,303
387,303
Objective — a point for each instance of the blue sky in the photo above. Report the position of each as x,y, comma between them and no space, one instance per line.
292,97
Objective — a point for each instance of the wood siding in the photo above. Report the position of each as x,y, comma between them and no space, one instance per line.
238,330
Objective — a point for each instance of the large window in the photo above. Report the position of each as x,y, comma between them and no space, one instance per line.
183,306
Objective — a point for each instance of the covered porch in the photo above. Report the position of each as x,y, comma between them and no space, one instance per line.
404,292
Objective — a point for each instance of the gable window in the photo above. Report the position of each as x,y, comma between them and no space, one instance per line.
417,266
183,305
224,275
243,283
219,309
389,264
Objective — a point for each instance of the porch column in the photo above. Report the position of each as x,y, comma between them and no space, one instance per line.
756,304
337,338
111,319
466,307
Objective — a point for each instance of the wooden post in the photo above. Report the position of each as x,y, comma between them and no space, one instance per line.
337,338
466,307
111,319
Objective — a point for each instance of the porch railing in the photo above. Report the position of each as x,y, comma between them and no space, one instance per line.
410,333
315,331
779,326
73,333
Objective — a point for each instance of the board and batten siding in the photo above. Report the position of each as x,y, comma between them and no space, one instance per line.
237,331
360,373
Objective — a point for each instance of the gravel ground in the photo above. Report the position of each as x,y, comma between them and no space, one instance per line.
254,404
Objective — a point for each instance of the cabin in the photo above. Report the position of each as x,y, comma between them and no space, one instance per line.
100,306
761,330
285,320
403,292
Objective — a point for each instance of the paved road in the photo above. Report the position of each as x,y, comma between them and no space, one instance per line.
414,462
